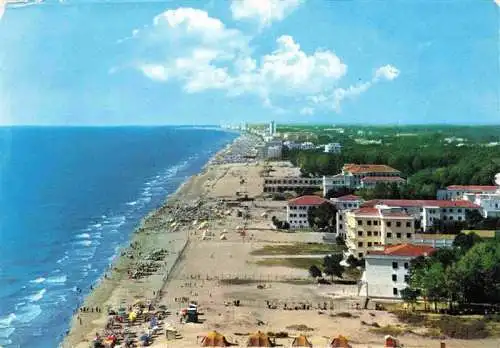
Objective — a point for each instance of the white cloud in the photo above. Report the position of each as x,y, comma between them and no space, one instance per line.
154,72
264,11
188,46
497,2
307,111
387,72
2,8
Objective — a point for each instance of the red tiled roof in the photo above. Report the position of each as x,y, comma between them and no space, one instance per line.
307,200
410,250
382,178
368,168
421,203
366,211
472,188
348,198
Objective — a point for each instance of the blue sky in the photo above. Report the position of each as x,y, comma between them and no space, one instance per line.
213,61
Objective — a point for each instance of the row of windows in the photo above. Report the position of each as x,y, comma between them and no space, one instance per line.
298,215
307,182
375,234
388,223
395,265
368,244
298,207
395,278
299,222
398,235
368,233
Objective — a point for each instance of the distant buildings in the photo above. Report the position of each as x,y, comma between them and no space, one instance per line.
369,182
457,192
370,227
387,271
344,204
293,183
297,210
354,175
428,212
333,148
272,128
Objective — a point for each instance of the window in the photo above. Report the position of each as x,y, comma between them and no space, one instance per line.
395,291
369,222
360,255
340,216
398,235
407,278
369,244
369,233
407,265
360,233
388,224
444,218
389,235
360,223
375,223
394,278
340,227
375,233
459,218
360,244
398,224
451,210
395,265
408,224
459,210
408,235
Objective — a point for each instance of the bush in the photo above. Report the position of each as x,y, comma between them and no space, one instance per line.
456,327
410,317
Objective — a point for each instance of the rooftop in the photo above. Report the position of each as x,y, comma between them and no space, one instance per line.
307,200
348,198
368,168
410,250
421,203
372,211
472,188
382,178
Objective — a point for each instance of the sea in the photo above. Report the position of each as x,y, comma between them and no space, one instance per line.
70,197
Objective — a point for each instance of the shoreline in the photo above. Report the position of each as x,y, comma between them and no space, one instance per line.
113,278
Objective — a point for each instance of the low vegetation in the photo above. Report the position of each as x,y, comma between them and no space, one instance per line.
302,263
387,330
296,249
460,327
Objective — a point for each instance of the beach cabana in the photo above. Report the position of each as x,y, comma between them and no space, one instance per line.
259,339
301,341
340,342
214,339
391,342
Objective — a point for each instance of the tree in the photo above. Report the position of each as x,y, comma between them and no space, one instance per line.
332,266
409,296
323,216
340,241
338,192
465,241
473,217
315,272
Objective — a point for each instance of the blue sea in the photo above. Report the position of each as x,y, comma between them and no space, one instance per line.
69,198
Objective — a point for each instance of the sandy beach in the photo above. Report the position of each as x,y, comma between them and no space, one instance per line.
221,267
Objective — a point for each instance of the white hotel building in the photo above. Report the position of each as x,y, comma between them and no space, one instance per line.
427,212
297,210
387,270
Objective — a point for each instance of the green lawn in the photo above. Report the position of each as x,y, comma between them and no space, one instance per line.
303,263
297,249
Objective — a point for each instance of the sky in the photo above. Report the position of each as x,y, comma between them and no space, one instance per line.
230,61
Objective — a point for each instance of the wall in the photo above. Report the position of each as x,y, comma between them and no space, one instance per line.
378,276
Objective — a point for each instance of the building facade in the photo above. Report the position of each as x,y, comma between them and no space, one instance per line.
457,192
428,212
369,182
353,174
369,228
333,148
387,270
297,210
344,204
291,183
